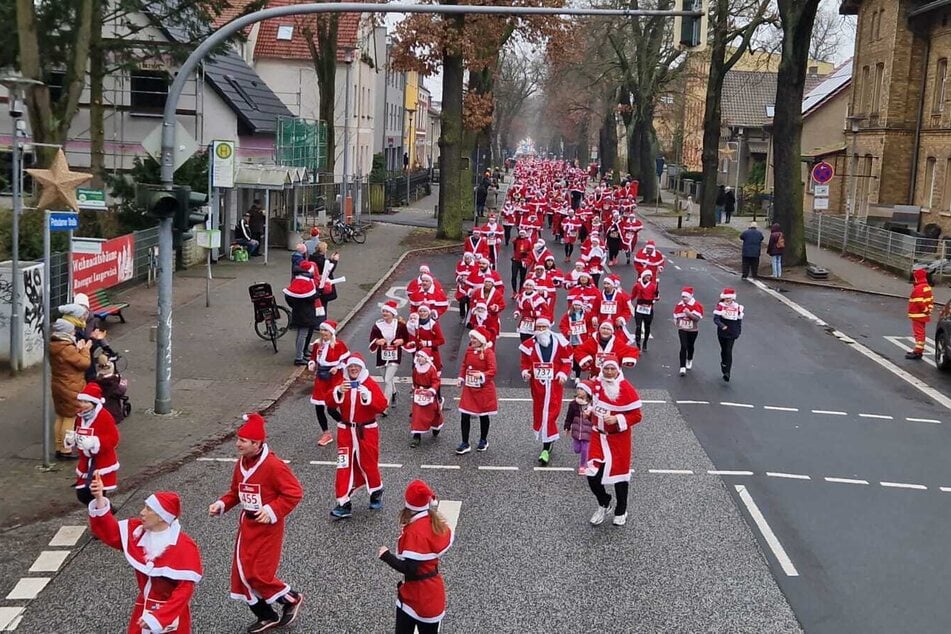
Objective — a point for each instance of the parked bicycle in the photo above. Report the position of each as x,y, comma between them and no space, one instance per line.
270,320
342,231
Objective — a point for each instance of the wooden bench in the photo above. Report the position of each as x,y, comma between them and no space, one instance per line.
102,305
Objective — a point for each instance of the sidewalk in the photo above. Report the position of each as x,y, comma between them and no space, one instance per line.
220,370
422,213
722,245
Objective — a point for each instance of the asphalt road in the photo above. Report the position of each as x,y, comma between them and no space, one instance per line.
764,543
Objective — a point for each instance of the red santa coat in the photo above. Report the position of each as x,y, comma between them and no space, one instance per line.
389,354
528,308
463,271
493,237
435,298
260,483
490,321
101,436
521,250
494,299
687,314
327,356
592,352
428,335
630,229
611,444
358,435
423,599
570,229
509,215
649,261
427,412
477,378
587,294
546,376
576,327
532,224
593,259
478,277
416,284
643,296
477,245
615,308
166,583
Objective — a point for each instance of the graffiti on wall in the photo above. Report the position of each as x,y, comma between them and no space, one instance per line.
33,310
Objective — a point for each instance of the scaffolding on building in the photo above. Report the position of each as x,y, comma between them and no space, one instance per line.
302,143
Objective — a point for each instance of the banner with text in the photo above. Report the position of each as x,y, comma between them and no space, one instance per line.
114,264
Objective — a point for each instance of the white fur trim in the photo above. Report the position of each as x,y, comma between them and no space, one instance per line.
153,503
89,399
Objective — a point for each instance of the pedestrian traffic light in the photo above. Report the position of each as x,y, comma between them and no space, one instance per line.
157,200
690,32
190,211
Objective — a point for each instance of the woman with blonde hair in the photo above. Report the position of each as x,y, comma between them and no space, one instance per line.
425,537
69,360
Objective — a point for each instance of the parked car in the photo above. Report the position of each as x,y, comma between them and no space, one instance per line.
942,339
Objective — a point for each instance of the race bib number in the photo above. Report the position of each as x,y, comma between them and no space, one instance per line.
599,358
608,308
85,431
628,236
389,353
343,459
576,327
731,312
250,497
526,325
473,378
543,371
422,397
493,242
643,309
685,324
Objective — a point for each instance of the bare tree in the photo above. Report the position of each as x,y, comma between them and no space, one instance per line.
519,76
827,33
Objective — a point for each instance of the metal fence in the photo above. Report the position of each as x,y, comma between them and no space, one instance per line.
894,250
400,190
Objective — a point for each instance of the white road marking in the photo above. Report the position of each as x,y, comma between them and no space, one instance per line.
496,468
27,588
777,408
791,476
918,384
10,618
672,471
67,536
555,469
216,459
391,465
829,412
877,416
439,466
325,463
678,268
945,489
49,561
904,485
908,344
729,404
450,509
509,335
846,480
924,420
649,402
771,540
692,402
397,294
730,473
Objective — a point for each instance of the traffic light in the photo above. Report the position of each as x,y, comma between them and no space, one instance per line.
156,200
690,32
189,211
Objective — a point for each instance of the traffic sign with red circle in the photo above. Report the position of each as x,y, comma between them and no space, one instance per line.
822,172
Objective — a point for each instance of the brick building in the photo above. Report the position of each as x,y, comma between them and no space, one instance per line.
898,132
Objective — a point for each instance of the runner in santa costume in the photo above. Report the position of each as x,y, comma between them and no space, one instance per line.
431,295
477,378
539,253
424,538
96,436
521,252
613,232
465,267
416,283
166,561
649,259
728,317
546,363
388,338
687,315
643,297
604,343
615,408
509,220
492,231
476,244
481,317
267,492
358,437
613,304
571,230
576,324
326,360
425,332
631,228
532,225
529,306
491,294
482,273
427,411
593,259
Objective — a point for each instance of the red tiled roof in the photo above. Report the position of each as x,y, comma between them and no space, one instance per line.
268,45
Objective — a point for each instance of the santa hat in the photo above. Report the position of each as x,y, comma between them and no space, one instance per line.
586,386
484,260
646,273
330,326
480,334
538,265
314,232
423,268
468,254
92,393
543,321
419,497
650,243
426,276
686,291
300,287
390,307
610,359
540,242
522,233
165,504
529,283
482,305
425,354
253,428
606,324
577,301
610,280
728,293
356,358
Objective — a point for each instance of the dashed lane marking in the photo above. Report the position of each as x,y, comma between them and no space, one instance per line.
728,473
877,416
672,471
49,561
10,618
945,489
791,476
496,468
924,420
777,408
729,404
684,402
27,588
554,469
771,540
904,485
846,480
67,536
440,466
830,412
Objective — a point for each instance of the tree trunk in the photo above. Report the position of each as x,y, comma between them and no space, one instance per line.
321,39
712,118
608,141
97,127
797,18
452,195
647,159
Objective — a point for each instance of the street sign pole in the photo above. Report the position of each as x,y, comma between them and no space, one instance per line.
46,341
163,351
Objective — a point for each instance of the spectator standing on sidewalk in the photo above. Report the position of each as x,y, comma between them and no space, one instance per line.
752,240
728,317
920,305
729,203
775,248
720,203
301,296
257,220
68,363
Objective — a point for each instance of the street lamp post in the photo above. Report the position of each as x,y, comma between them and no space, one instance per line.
345,192
854,127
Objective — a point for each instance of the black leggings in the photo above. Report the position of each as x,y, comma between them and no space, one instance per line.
405,624
322,415
687,340
642,321
614,247
620,492
483,427
726,354
463,308
507,230
569,249
518,275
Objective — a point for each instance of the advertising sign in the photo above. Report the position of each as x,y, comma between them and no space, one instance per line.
114,264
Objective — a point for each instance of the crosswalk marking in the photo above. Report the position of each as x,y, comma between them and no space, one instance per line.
10,618
67,536
908,344
28,588
49,561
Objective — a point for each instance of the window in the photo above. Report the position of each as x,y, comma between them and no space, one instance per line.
930,168
877,88
946,196
285,32
866,89
149,91
54,81
940,85
878,24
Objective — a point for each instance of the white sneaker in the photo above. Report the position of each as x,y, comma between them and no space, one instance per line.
620,520
689,364
601,513
683,371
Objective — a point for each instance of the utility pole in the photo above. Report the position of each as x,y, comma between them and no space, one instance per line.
345,191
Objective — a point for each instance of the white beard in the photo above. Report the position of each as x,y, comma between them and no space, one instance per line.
154,543
422,368
611,388
544,338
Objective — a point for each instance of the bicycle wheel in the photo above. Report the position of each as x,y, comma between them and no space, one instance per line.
260,329
272,332
337,233
282,320
359,235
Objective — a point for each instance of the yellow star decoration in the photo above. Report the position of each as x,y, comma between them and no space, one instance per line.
59,184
